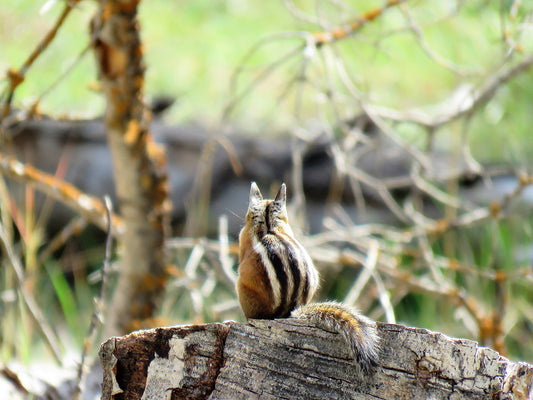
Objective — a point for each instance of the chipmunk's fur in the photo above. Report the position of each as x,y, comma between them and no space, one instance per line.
277,279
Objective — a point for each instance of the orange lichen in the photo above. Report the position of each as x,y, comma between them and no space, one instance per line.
524,178
15,77
441,226
132,132
453,265
157,153
342,32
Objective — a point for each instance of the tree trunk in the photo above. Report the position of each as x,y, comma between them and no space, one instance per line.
139,167
286,359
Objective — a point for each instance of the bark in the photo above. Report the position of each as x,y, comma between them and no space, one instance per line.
286,359
139,167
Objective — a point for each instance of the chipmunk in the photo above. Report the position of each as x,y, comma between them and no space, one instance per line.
277,279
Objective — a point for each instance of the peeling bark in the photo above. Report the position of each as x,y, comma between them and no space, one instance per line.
146,364
139,167
286,359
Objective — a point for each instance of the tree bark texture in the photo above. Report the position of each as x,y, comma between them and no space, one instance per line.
139,167
287,359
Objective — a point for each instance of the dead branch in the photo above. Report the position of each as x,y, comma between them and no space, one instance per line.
432,54
460,103
74,227
17,77
86,205
99,307
60,78
345,30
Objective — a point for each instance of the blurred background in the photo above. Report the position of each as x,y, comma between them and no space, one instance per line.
403,132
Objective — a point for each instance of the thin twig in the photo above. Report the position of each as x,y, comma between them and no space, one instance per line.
432,54
471,101
364,276
384,298
74,227
67,71
17,77
350,28
376,118
234,100
299,14
437,193
223,255
375,183
99,306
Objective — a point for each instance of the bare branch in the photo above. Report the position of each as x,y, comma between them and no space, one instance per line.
349,28
17,77
464,104
99,307
224,257
67,71
432,54
74,227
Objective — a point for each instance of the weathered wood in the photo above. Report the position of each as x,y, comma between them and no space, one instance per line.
286,359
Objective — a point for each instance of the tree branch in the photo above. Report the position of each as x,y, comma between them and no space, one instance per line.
459,104
88,206
17,77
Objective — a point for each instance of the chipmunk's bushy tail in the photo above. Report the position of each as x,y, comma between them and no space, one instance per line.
357,330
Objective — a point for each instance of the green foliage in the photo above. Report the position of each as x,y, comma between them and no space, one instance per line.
66,298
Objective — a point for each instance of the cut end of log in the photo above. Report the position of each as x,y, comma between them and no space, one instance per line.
288,359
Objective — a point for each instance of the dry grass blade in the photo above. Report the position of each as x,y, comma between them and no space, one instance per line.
27,296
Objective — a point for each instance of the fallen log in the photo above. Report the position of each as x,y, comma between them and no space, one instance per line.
287,359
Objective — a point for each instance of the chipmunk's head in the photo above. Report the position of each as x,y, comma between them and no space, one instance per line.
267,215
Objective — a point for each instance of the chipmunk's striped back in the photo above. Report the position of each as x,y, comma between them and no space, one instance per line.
276,275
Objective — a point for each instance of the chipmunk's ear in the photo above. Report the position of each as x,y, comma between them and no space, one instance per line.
281,197
255,194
